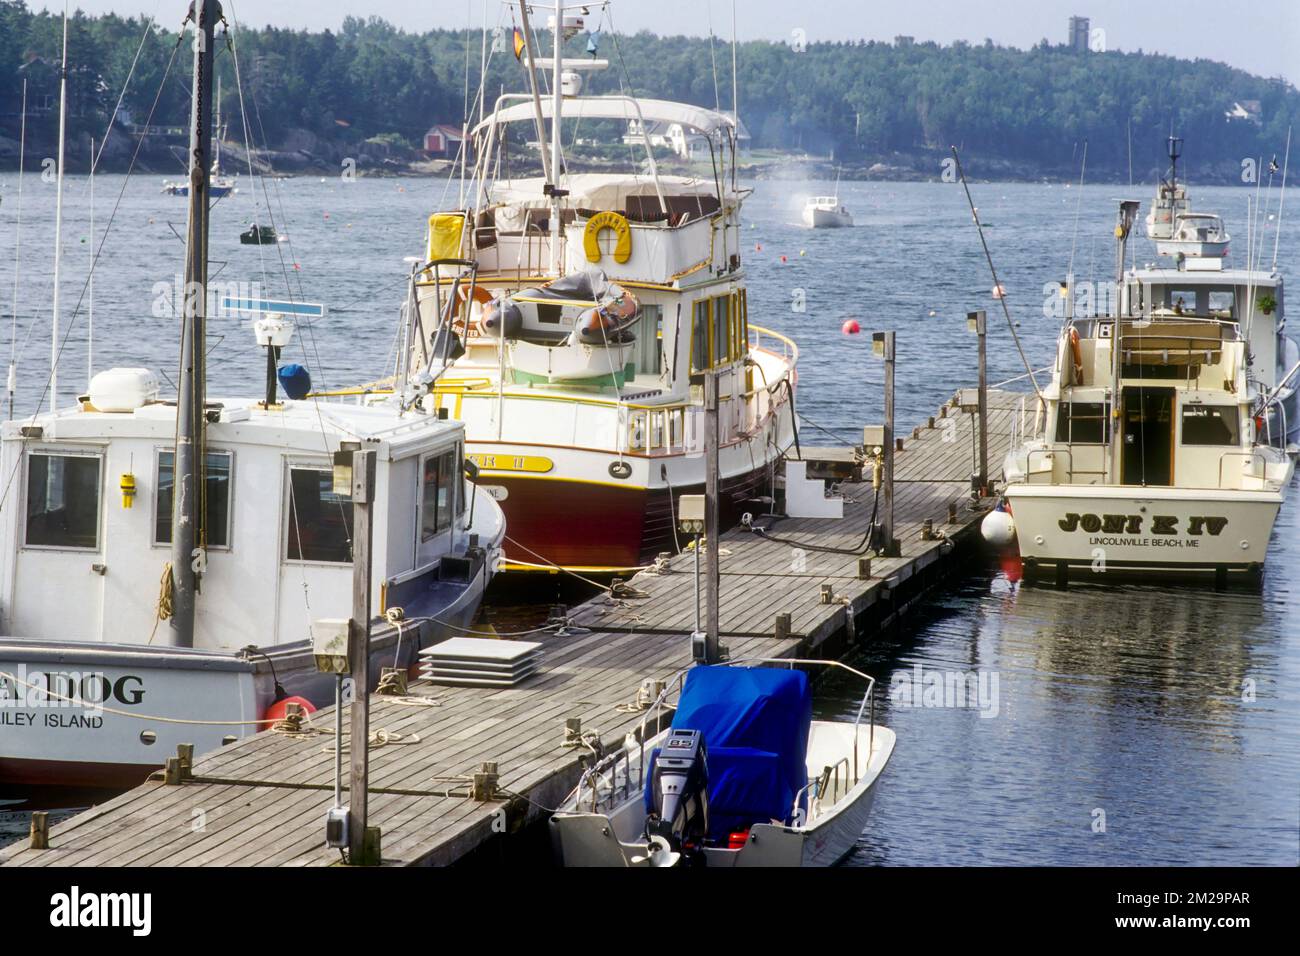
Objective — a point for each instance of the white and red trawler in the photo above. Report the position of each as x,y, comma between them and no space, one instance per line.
569,321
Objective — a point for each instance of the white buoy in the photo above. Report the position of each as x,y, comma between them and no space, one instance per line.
998,528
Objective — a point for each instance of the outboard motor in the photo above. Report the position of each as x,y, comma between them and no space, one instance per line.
679,793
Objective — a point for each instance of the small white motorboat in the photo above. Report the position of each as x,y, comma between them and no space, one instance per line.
1178,231
743,777
826,212
1197,235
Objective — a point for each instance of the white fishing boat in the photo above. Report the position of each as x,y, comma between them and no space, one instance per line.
826,212
135,617
1152,456
619,293
743,777
1177,231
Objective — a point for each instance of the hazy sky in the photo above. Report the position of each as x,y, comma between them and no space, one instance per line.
1263,38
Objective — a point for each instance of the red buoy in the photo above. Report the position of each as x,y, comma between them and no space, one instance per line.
783,258
280,708
758,247
850,327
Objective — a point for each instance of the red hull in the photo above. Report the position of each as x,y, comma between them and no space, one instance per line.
20,772
598,526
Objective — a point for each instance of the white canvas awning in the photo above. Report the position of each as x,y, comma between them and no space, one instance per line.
597,190
624,108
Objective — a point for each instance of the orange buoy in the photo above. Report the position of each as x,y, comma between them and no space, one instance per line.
783,258
851,327
758,247
280,708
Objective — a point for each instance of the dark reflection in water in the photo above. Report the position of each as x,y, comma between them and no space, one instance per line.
1173,712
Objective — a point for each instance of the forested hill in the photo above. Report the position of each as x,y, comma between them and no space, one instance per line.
324,93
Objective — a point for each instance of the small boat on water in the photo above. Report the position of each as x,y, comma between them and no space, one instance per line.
219,184
1152,454
743,777
256,235
827,212
1177,231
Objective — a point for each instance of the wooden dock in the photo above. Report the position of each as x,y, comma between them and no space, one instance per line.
262,800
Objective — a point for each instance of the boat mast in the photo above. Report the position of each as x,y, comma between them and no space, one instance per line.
1124,224
18,236
90,294
187,512
58,218
216,143
556,108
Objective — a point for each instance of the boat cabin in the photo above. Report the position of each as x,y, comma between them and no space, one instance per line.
88,521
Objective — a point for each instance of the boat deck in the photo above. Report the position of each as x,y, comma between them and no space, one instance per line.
262,800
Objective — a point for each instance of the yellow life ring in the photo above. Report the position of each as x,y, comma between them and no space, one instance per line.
622,234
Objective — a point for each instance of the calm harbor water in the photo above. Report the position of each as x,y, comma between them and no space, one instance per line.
1169,717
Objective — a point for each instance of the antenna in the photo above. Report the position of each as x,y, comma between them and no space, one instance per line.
557,108
90,282
735,81
58,218
1277,231
18,234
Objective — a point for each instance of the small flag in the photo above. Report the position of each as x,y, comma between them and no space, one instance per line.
1272,165
593,42
519,43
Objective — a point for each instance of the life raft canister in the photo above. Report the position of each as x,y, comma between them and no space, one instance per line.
622,234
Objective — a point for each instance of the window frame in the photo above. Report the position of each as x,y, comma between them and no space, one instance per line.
452,512
159,450
290,466
1234,423
58,452
1105,417
735,323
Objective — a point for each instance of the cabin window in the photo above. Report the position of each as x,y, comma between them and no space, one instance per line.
721,352
700,337
1210,425
649,340
63,501
1222,303
739,325
320,521
1182,302
216,498
1083,423
438,493
714,339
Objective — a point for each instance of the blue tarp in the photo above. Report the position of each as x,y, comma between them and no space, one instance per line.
755,722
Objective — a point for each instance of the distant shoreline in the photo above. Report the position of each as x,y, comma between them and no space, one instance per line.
323,157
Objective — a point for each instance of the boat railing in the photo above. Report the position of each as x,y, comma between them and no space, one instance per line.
768,341
1247,457
601,785
604,772
1048,453
815,790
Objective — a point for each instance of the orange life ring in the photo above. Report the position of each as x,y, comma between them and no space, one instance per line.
1076,352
